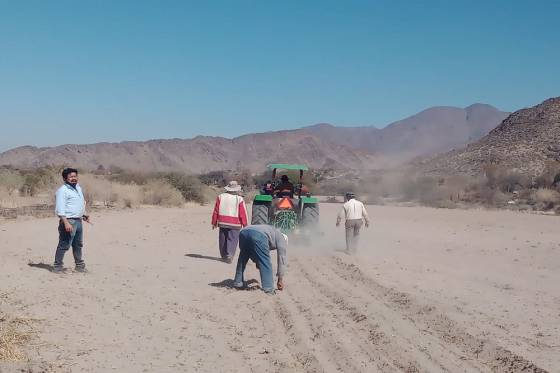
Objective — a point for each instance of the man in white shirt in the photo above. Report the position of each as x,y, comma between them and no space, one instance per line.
354,213
71,209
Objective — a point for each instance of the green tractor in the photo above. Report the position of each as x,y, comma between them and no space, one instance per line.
286,206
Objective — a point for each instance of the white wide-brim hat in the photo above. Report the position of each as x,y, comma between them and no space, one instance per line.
233,186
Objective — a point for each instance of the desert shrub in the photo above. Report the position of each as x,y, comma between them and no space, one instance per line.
102,190
220,178
217,178
491,172
128,195
494,197
11,181
98,189
545,199
549,177
113,170
423,189
505,180
6,199
336,187
137,178
190,187
39,180
245,178
509,181
127,202
249,195
444,204
160,193
547,195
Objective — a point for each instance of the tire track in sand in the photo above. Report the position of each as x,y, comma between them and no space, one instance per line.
322,330
381,329
485,355
332,331
375,337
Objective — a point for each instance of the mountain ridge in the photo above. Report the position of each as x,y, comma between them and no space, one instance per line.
525,141
319,145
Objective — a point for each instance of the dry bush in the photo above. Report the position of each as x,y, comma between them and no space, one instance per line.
215,178
496,198
544,199
547,195
550,177
403,186
505,180
39,180
249,195
190,187
6,198
423,189
97,189
159,193
137,178
101,190
337,187
127,195
11,181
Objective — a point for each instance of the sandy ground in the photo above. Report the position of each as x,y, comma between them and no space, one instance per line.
430,291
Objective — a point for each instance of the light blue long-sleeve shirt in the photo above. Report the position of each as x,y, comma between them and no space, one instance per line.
70,202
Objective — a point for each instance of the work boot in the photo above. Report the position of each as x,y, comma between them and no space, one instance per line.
57,269
239,285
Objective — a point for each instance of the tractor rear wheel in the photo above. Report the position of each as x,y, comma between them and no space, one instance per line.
259,213
310,216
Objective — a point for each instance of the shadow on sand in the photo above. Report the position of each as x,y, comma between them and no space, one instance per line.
198,256
41,265
228,284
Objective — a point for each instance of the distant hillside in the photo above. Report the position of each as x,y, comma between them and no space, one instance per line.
200,154
525,141
431,131
320,146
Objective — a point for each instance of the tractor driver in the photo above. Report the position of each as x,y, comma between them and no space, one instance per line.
286,188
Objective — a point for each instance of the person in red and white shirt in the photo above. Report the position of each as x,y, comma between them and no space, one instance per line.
230,215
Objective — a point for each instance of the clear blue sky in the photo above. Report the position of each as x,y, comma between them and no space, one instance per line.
82,72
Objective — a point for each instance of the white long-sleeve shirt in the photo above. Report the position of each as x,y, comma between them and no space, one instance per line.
353,209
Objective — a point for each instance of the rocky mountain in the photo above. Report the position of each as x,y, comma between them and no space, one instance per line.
201,154
524,141
320,146
434,130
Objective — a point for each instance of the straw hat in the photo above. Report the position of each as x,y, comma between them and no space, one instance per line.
233,186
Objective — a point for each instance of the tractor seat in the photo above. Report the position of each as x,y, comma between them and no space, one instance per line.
285,193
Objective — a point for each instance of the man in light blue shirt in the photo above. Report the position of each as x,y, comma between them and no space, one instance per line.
255,243
71,209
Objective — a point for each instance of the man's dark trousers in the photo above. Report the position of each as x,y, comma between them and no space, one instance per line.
65,240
